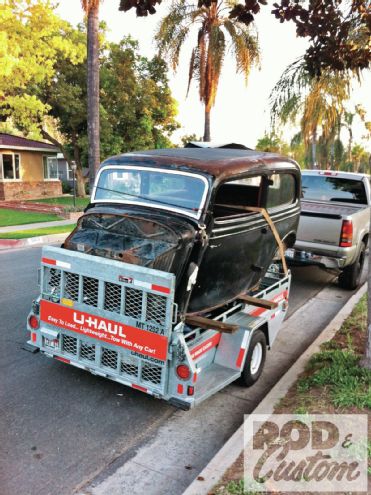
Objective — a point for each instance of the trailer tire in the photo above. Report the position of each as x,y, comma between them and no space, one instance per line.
255,359
350,277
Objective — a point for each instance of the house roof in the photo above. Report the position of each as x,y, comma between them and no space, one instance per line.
217,162
8,141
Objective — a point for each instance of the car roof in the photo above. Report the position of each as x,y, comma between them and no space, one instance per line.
217,162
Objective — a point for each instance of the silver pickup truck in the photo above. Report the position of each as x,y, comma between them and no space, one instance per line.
334,223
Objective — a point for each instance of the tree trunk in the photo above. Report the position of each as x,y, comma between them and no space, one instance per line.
207,136
350,142
80,182
366,361
314,149
93,92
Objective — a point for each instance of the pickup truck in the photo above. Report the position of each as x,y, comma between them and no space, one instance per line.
334,223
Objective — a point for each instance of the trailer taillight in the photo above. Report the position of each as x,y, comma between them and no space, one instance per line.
33,321
346,236
183,371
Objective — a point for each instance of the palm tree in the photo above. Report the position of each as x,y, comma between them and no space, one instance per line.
91,8
211,24
318,102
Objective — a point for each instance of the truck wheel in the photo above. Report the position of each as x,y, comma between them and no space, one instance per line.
255,359
350,277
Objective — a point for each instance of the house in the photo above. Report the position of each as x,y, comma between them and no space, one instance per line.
28,168
65,172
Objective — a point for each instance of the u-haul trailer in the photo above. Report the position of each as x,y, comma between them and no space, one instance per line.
119,321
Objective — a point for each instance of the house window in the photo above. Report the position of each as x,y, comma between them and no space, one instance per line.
50,167
9,166
69,172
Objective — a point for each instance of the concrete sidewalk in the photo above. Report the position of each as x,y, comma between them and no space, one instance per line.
32,226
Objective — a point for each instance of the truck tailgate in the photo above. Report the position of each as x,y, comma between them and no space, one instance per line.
321,222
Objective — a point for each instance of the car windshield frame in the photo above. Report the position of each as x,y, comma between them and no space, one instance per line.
153,203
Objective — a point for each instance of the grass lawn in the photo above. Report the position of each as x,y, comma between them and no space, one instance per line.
17,217
24,234
333,383
64,201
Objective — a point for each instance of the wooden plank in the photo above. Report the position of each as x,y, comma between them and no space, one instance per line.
261,303
207,324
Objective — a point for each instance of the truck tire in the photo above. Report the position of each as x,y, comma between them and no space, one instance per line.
350,277
255,359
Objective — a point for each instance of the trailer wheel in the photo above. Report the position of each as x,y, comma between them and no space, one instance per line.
350,277
255,359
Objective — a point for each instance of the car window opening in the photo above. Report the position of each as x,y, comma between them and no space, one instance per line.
233,195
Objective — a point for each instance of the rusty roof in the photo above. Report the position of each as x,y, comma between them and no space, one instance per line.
18,142
217,162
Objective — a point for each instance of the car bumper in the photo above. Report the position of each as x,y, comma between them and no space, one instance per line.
297,257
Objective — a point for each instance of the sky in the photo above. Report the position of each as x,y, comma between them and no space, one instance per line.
241,113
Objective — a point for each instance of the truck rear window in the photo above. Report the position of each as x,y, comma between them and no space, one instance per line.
321,188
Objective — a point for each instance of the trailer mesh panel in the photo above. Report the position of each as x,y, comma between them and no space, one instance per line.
90,287
87,351
118,299
71,288
109,358
128,367
69,344
112,297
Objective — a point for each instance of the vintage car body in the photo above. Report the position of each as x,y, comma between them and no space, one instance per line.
185,211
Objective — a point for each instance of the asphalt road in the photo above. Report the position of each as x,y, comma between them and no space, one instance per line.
60,426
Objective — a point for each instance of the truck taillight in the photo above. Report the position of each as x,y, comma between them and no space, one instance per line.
346,236
33,321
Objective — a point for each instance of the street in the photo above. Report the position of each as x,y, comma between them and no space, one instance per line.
62,427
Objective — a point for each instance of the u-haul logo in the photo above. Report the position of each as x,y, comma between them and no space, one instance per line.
103,329
99,324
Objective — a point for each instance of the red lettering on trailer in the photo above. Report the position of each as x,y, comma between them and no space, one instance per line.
97,327
200,349
280,297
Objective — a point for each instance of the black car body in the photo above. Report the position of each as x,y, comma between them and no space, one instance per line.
185,211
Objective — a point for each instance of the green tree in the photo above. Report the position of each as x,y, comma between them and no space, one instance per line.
137,110
315,102
273,143
187,138
213,26
360,158
32,39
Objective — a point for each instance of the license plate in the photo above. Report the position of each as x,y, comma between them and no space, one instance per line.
290,253
53,344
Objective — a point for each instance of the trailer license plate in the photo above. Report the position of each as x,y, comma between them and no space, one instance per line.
53,344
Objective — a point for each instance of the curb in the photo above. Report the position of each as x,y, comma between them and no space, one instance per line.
231,450
32,241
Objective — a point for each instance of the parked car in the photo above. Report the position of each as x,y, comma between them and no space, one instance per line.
186,212
334,223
